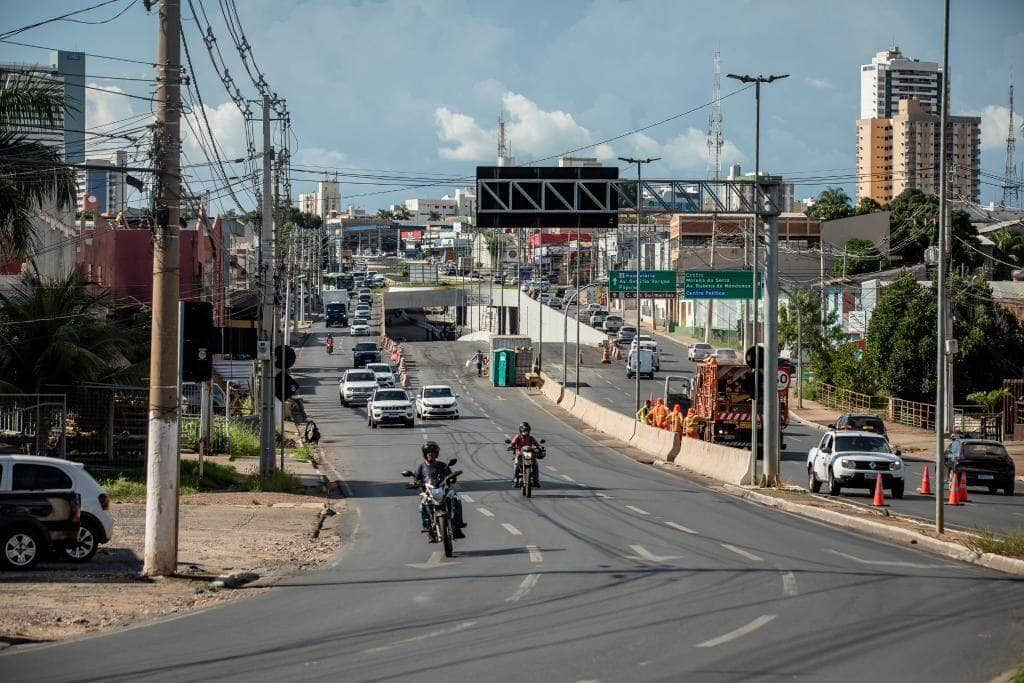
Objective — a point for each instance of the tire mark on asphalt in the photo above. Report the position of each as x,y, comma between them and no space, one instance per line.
415,639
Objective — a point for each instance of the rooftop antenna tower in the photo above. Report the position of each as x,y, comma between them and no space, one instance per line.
1011,187
502,142
715,125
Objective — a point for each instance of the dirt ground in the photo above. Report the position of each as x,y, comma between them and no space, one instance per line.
267,533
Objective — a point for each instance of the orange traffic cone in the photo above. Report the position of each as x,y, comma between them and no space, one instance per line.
962,491
954,491
604,356
926,482
879,500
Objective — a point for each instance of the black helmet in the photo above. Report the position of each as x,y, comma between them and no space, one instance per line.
524,427
431,447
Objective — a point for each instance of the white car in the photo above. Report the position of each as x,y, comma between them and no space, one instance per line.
699,351
40,473
854,459
544,298
437,400
726,356
593,308
359,329
356,386
382,371
597,318
389,406
613,323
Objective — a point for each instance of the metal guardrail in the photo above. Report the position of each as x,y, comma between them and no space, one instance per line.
844,399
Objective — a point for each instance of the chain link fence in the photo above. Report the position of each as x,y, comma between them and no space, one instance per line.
32,424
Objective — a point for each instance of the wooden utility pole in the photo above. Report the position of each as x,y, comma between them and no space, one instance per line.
161,551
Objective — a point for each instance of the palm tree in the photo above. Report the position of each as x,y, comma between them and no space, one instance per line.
433,216
31,172
401,212
1009,248
53,331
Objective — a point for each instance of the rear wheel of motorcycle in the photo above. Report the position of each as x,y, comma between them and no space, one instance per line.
446,536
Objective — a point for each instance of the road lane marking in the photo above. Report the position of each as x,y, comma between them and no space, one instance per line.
743,553
602,495
567,478
789,584
738,633
535,555
436,560
485,512
415,639
466,498
555,469
646,555
511,529
888,563
680,527
525,587
637,510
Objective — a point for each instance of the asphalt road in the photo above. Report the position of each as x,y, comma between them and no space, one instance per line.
613,571
607,384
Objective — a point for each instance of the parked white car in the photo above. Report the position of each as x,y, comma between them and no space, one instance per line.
356,386
382,371
359,329
726,356
40,473
437,400
613,323
699,351
389,406
854,459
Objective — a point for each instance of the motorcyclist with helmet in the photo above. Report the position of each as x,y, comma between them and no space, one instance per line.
434,470
329,343
520,440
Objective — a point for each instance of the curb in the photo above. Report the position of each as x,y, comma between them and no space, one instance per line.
949,549
804,421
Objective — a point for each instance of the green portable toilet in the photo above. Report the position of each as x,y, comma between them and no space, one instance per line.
503,368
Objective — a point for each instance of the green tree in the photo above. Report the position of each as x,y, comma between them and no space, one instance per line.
914,225
867,205
32,173
384,217
833,203
434,216
1009,248
402,213
54,331
859,256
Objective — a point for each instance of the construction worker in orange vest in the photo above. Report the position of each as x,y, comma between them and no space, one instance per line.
641,415
660,413
676,419
692,423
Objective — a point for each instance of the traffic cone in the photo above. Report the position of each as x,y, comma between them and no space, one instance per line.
879,500
954,491
581,357
604,356
926,482
962,491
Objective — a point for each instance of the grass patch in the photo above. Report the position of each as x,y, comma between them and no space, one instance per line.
215,477
240,439
302,453
275,482
124,488
1010,544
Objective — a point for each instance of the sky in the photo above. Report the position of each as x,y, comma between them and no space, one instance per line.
414,87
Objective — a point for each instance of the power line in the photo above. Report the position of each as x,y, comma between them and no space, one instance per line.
62,17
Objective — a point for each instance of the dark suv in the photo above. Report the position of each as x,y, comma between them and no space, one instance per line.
983,462
863,422
365,352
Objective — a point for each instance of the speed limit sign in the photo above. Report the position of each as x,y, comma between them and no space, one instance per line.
783,379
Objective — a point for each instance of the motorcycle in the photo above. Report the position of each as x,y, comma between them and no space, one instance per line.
330,346
439,504
525,459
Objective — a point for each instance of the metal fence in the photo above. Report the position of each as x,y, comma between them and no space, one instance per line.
32,424
108,426
1013,408
844,399
912,413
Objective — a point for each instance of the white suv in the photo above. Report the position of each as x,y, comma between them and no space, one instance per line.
40,473
389,406
383,373
854,459
356,386
437,401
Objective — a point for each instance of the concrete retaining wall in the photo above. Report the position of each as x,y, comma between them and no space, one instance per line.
726,464
530,322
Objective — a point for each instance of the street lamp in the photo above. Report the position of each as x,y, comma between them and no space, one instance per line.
639,204
771,430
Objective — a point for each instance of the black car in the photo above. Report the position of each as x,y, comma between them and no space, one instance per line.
983,462
864,422
365,352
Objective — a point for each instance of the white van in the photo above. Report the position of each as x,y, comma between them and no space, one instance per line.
646,364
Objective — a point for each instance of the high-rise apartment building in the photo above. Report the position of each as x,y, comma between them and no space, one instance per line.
891,77
307,202
327,198
103,190
901,152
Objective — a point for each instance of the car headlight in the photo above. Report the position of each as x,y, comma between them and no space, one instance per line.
895,465
851,464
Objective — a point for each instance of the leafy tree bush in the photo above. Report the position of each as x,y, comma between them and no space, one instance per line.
833,203
859,256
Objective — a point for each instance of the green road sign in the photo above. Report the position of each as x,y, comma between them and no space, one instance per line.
718,284
654,284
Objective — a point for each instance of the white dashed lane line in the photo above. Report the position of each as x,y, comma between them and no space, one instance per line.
680,527
485,512
738,633
567,478
511,529
637,510
524,588
743,553
466,498
535,555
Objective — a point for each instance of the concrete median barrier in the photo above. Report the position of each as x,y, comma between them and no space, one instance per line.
731,465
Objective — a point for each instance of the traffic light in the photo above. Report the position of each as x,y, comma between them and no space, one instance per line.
289,357
291,387
196,341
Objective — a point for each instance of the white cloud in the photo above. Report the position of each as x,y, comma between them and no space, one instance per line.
819,83
688,151
995,124
319,156
103,109
467,140
227,126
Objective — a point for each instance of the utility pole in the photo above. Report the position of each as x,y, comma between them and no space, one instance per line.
710,302
639,203
715,143
771,404
161,551
266,274
940,327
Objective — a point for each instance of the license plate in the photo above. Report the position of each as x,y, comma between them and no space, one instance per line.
744,425
985,476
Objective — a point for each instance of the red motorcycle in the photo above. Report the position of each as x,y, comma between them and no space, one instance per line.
329,344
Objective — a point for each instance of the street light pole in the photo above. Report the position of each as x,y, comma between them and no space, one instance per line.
639,204
771,404
940,328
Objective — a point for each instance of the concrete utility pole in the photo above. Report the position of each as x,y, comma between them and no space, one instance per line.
639,203
940,327
771,404
267,323
161,552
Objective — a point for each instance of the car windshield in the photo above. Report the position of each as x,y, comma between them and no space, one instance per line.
437,392
870,444
366,346
390,395
703,347
360,377
628,328
872,424
984,450
378,367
